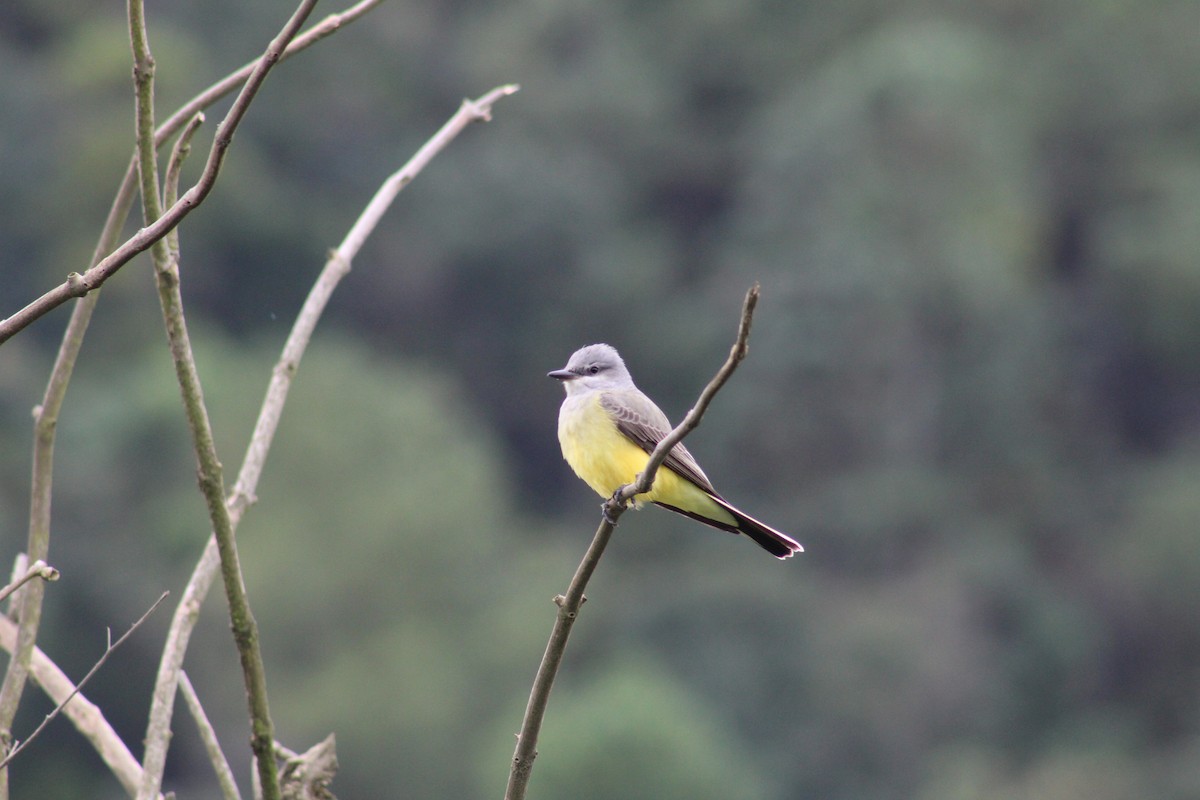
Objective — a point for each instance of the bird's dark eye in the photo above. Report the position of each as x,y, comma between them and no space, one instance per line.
593,369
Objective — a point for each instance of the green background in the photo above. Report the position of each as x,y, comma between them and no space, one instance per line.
973,392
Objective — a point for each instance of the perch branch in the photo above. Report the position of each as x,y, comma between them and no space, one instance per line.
570,603
691,420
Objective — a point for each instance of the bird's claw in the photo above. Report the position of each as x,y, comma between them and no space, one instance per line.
614,502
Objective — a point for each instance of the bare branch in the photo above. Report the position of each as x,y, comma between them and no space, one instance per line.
179,154
41,484
337,266
216,756
470,111
570,603
691,420
162,702
243,495
58,709
539,696
158,731
250,78
39,569
28,610
86,716
143,85
230,82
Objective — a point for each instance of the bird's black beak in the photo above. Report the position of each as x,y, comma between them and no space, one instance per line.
561,375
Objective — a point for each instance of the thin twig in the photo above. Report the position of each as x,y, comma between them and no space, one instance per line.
570,603
39,569
85,715
212,746
469,112
179,154
26,609
691,420
243,495
224,86
80,284
95,667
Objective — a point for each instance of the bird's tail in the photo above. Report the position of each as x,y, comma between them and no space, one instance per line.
774,542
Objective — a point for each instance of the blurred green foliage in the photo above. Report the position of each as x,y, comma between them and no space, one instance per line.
635,719
973,391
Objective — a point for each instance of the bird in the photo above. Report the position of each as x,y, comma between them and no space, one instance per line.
607,429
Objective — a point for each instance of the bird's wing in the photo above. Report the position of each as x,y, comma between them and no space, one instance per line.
646,425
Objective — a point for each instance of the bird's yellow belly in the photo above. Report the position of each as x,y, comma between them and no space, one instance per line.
598,453
605,459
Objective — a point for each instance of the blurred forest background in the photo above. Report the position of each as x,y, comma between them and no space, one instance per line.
973,392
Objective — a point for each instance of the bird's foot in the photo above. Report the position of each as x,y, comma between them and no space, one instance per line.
609,506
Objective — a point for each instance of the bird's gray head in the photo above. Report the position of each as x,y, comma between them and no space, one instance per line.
597,366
